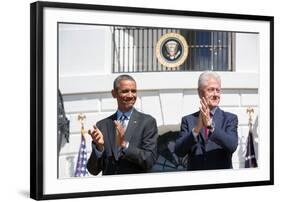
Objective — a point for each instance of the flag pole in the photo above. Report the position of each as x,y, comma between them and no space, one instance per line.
250,111
250,158
81,165
81,119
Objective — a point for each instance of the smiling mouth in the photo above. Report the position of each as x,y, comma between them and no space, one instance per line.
129,101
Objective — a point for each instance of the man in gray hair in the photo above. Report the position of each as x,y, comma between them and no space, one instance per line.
208,136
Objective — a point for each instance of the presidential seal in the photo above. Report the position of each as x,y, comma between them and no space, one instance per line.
171,50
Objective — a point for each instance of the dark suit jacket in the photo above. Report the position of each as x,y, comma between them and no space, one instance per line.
141,133
216,151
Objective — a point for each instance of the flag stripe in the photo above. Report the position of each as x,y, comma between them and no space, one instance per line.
81,165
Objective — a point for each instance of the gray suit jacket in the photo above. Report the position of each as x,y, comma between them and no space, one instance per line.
139,157
216,151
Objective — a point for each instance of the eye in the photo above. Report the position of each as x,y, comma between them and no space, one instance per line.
128,90
124,91
211,89
218,90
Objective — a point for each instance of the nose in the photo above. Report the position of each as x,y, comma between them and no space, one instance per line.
131,94
216,93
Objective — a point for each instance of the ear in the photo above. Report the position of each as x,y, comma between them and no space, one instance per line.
113,93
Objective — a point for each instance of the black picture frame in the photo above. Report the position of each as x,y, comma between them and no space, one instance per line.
37,98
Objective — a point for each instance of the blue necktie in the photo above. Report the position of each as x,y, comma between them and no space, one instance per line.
122,120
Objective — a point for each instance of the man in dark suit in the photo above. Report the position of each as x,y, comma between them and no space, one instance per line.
209,136
125,142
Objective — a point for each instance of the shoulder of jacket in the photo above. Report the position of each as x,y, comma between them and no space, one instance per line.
189,116
229,114
144,115
105,120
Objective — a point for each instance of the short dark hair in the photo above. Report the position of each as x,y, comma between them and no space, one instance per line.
120,78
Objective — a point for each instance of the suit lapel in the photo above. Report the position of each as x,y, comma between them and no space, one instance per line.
112,135
217,118
132,124
202,132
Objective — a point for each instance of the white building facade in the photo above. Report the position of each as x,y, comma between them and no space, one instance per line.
86,77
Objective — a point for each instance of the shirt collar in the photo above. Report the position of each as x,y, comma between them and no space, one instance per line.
213,111
127,114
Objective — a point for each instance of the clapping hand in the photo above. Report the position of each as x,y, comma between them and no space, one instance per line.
120,134
204,118
205,112
97,137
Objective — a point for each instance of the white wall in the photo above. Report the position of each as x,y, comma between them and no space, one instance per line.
84,49
166,96
247,50
15,122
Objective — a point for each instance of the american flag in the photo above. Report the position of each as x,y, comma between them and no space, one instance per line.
250,159
81,165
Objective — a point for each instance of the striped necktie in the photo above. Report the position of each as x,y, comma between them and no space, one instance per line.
122,120
206,130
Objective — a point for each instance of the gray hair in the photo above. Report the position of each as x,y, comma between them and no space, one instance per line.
205,76
121,78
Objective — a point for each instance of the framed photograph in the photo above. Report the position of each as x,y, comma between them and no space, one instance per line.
78,50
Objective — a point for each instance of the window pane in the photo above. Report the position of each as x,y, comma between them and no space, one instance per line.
135,50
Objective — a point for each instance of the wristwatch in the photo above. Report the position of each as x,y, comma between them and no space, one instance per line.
212,126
